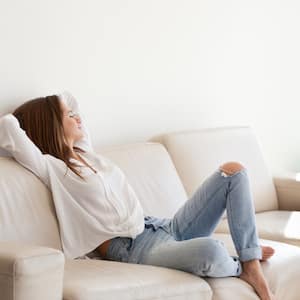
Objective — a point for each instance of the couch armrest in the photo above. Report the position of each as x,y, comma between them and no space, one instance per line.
30,272
288,191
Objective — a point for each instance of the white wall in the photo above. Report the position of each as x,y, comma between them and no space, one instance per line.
140,67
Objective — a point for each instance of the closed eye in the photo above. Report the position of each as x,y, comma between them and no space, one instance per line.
72,114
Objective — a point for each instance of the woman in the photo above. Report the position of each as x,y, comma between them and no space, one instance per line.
98,210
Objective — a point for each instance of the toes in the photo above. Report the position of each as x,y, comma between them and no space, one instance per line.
267,252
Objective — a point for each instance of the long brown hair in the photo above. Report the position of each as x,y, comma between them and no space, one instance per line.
42,120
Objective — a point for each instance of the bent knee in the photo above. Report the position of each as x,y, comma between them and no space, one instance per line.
213,254
231,167
216,248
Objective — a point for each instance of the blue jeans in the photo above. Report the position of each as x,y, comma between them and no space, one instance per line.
184,242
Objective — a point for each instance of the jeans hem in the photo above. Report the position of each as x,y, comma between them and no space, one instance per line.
250,254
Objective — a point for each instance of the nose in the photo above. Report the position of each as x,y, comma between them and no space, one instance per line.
78,120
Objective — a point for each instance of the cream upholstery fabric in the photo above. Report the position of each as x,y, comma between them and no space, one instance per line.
26,208
196,154
94,280
30,272
282,226
151,173
282,272
27,215
288,190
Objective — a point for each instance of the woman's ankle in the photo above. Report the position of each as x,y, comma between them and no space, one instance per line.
253,275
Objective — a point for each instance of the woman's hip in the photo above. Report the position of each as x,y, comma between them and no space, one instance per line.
125,249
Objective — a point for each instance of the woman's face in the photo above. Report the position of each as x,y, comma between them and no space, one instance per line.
71,124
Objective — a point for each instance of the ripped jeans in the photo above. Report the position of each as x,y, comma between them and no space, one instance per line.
184,242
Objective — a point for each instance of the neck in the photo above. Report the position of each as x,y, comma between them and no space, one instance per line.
70,144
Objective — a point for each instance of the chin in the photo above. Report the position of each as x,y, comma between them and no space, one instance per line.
78,137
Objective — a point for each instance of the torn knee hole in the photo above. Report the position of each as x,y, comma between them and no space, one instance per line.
231,168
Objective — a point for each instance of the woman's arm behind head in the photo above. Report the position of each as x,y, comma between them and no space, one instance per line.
13,140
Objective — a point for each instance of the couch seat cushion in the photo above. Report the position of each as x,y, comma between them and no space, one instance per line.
282,226
89,279
282,273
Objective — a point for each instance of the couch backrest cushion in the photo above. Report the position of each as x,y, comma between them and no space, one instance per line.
196,154
26,208
152,174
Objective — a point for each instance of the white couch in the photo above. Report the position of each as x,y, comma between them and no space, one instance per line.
32,266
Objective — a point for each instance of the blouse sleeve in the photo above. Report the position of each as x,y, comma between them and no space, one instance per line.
85,142
13,140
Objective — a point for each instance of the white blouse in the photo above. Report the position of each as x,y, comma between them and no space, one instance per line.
89,211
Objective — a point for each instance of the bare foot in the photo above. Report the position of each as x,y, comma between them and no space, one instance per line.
267,252
252,274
